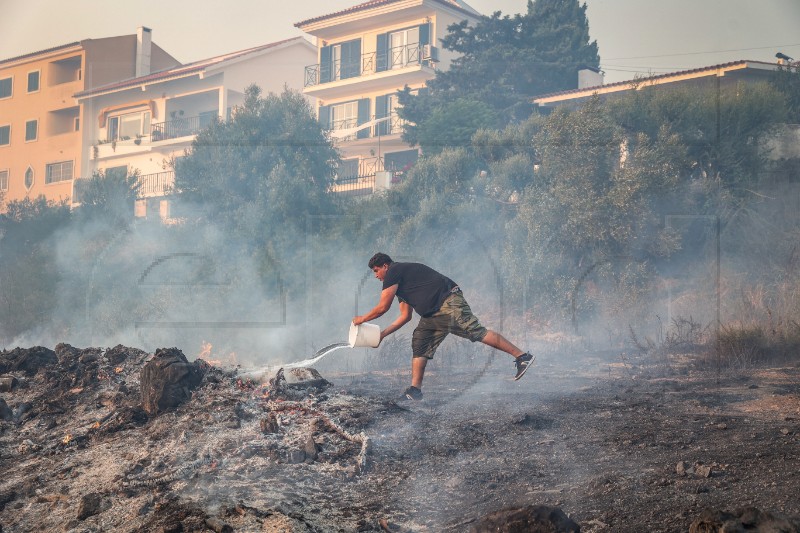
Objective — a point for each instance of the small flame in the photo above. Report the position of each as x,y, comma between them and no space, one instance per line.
205,351
118,370
205,355
66,438
96,425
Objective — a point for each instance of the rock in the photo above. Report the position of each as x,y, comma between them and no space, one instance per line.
702,470
310,449
6,497
66,353
5,411
89,357
7,383
269,424
747,519
305,378
90,505
167,381
533,518
680,468
27,446
295,456
27,360
217,525
119,354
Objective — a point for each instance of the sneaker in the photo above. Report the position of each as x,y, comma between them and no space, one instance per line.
413,393
523,362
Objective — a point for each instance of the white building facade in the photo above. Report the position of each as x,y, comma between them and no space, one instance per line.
145,123
365,54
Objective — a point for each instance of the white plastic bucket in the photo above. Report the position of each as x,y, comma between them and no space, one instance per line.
365,334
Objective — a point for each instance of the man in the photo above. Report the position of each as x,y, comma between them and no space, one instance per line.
438,300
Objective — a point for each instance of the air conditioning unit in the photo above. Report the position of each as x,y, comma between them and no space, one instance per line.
430,53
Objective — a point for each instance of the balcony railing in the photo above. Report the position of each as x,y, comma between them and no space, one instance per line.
390,125
352,180
392,58
357,180
157,184
181,127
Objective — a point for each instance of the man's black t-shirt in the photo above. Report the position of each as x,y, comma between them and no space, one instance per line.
418,285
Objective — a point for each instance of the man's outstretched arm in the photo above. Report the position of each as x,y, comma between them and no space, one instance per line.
385,303
405,316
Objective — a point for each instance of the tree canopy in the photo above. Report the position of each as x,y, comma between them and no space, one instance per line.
504,61
263,170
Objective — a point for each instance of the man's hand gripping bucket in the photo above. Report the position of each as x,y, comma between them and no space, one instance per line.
366,335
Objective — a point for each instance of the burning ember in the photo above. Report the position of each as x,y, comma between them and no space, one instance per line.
67,438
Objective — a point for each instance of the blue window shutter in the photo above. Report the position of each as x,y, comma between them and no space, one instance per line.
325,64
325,116
425,34
363,117
381,111
382,59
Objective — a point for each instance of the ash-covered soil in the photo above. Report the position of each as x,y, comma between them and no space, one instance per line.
617,444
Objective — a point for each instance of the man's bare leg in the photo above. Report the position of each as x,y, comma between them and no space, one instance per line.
418,370
495,340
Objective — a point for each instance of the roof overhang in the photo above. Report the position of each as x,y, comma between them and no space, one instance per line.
718,71
377,14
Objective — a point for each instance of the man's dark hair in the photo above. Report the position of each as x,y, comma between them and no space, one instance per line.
379,260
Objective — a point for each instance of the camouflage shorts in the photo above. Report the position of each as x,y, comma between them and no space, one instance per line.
454,317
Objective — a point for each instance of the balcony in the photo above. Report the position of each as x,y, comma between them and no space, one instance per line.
401,64
181,127
348,129
359,179
157,184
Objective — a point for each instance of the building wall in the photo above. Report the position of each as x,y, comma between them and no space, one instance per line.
369,150
52,105
182,99
114,58
62,130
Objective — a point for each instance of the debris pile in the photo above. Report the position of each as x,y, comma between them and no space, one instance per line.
118,439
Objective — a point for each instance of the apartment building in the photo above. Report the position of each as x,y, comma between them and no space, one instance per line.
147,122
365,54
41,127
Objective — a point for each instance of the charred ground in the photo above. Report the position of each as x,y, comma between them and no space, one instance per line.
618,444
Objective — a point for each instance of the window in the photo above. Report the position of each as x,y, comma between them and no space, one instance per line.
346,116
77,124
128,126
31,130
6,85
61,171
5,135
29,176
3,180
403,47
398,49
340,61
386,108
120,172
347,171
33,81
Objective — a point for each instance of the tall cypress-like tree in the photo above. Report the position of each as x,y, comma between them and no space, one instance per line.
503,62
560,34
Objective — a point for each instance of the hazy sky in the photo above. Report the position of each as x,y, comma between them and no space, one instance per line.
634,36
